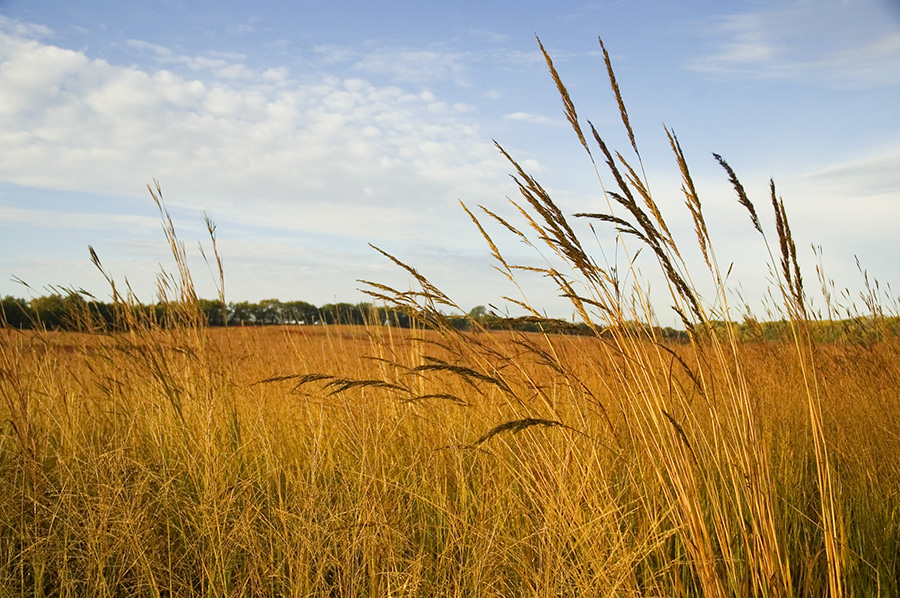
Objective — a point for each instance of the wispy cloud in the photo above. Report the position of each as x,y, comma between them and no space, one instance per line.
829,42
857,186
425,65
851,209
21,29
244,28
225,65
419,66
336,54
529,117
76,220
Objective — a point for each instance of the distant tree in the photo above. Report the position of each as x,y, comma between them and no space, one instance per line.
49,311
482,315
241,314
388,316
672,334
213,311
104,314
16,313
345,313
300,312
57,312
479,311
77,314
84,313
268,312
365,313
459,322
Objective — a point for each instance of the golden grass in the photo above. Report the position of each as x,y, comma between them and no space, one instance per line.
179,460
204,480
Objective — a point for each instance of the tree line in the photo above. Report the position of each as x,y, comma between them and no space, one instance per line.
74,311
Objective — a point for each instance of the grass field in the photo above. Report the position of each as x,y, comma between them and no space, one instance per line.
181,460
195,462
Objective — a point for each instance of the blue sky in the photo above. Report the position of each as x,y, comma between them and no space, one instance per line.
307,130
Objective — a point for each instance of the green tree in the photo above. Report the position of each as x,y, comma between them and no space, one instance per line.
345,313
269,312
482,315
49,311
300,312
16,313
213,311
241,314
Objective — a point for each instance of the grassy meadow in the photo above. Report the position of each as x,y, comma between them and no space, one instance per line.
182,460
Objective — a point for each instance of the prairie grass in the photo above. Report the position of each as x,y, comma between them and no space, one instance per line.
180,460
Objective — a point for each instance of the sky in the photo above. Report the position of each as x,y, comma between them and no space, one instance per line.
309,130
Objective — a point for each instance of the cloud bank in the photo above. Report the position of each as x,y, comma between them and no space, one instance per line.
311,153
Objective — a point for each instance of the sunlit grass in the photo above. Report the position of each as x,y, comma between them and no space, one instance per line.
179,460
202,480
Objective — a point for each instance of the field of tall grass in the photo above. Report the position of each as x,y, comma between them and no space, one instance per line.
181,460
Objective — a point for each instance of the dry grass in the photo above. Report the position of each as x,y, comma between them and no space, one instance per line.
204,479
340,461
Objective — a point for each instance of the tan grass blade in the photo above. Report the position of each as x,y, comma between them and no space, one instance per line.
518,425
568,105
615,87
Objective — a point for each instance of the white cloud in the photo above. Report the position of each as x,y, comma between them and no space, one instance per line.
877,61
415,66
831,42
334,54
248,26
20,29
161,52
251,145
224,65
863,177
529,117
425,66
76,220
852,202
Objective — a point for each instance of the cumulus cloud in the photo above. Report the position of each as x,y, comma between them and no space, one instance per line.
831,42
253,145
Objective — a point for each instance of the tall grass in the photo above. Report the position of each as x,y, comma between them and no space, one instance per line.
373,461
